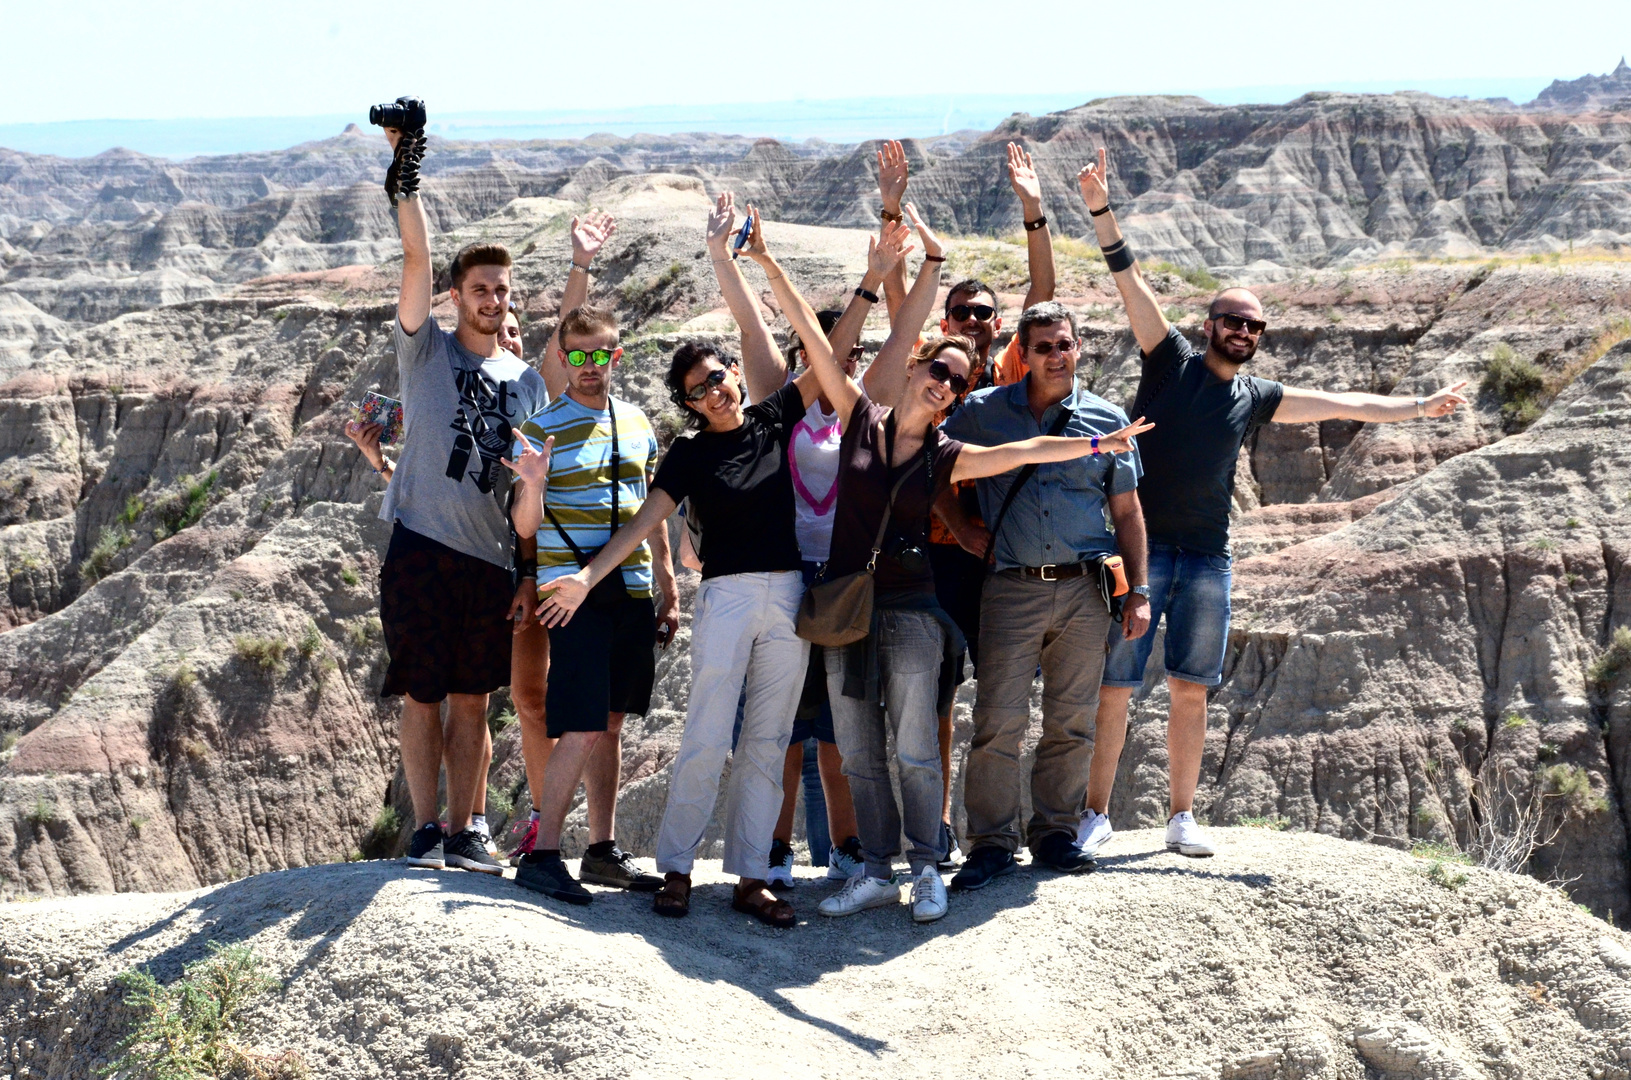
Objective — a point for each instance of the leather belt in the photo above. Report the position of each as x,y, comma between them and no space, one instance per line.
1054,571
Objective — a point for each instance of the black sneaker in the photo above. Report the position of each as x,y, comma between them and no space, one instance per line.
983,864
954,858
548,874
780,873
617,869
468,851
1058,851
425,848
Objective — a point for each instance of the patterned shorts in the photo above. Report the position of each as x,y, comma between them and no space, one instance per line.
446,619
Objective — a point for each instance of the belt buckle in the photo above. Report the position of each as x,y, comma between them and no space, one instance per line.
1048,572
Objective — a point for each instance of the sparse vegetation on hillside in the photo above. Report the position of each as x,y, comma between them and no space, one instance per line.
1519,385
1612,662
183,508
264,653
193,1029
98,562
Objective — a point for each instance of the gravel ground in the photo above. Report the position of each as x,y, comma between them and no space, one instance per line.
1290,955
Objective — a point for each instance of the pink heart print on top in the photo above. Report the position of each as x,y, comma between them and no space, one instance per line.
815,437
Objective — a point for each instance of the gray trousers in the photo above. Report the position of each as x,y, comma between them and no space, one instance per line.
910,647
1023,622
742,628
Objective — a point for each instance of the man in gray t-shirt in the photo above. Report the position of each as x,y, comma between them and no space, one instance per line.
445,587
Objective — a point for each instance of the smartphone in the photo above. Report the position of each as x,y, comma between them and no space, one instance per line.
742,235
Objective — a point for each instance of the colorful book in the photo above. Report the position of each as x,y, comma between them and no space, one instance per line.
384,411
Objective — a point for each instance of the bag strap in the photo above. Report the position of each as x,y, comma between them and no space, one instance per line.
1020,481
615,461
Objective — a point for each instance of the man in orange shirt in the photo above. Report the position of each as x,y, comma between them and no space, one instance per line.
957,537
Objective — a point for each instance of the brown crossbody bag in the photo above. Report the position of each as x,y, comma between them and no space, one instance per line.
839,612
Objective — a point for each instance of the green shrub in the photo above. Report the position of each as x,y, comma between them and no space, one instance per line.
133,510
1572,784
364,631
98,561
191,1029
500,720
499,804
310,643
264,653
1612,662
380,840
1519,385
43,812
349,576
1514,720
183,508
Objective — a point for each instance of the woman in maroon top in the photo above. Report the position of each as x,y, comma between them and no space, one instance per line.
899,663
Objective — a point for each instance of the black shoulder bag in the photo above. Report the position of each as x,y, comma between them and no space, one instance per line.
610,591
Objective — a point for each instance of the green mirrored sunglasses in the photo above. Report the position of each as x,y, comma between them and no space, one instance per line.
577,357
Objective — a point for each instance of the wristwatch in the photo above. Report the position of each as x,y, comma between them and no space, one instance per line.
1141,590
1421,407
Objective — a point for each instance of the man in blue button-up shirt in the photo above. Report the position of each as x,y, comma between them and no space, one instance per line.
1042,604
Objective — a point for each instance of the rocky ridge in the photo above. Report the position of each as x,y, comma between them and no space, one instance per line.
1291,956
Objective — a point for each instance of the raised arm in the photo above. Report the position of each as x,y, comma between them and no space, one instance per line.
1038,241
589,235
840,389
567,593
1306,406
886,378
762,365
531,471
892,176
413,299
977,461
1149,324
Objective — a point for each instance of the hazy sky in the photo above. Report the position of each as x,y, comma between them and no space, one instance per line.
100,59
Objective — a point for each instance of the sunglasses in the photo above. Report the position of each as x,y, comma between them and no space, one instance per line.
857,351
1047,348
716,377
601,357
1231,321
941,372
982,312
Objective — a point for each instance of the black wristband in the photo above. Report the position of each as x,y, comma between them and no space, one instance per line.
934,258
1119,257
869,297
527,568
1099,213
887,216
1039,223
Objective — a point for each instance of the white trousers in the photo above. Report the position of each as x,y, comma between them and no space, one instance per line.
742,629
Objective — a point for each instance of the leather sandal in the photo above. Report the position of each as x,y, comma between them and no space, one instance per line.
674,898
752,897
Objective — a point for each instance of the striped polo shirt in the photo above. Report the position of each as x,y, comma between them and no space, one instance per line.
580,489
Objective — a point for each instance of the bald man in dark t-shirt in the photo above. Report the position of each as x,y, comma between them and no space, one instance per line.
1204,409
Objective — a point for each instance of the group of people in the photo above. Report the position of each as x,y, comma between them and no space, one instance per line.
996,511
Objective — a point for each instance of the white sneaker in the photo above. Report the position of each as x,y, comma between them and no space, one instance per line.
1186,838
1094,832
860,893
928,896
478,822
841,866
780,875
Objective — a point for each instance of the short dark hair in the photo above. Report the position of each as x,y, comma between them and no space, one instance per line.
478,255
586,321
970,287
1047,313
827,319
686,357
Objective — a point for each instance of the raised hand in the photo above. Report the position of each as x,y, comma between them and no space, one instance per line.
366,436
884,253
891,174
589,235
756,248
565,596
1119,442
534,464
1094,181
1445,401
931,242
1023,179
721,223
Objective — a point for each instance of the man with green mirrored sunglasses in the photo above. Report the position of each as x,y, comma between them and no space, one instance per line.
601,357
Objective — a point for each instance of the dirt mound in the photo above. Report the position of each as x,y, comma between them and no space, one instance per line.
1288,956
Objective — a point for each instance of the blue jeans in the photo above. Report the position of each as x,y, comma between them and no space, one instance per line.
1192,590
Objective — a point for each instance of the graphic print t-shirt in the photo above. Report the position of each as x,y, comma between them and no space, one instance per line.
458,410
740,484
580,484
813,454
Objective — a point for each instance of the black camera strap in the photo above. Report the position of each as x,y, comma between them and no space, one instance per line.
1020,481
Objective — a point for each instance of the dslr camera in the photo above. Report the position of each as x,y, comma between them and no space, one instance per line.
404,114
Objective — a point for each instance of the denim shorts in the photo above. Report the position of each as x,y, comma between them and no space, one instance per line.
1192,590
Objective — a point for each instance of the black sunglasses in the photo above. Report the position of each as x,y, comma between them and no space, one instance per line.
982,312
1229,319
857,351
700,390
1046,348
941,372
